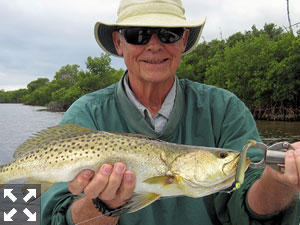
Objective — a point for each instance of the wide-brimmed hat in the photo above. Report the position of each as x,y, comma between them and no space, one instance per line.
149,13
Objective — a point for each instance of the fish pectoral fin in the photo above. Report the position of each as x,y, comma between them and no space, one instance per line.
164,180
29,184
139,201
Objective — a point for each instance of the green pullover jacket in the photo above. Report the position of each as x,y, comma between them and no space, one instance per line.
202,115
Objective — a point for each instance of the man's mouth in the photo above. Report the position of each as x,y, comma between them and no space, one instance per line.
155,61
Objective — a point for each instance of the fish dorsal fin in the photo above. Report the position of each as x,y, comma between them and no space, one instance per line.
140,136
49,134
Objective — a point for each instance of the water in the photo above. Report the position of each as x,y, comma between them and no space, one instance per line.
275,131
18,122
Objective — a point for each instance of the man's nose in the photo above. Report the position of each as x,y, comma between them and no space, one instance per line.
154,44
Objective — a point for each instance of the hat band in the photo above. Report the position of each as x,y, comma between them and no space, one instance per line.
151,8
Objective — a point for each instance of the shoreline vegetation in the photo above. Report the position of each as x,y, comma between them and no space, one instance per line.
260,66
274,113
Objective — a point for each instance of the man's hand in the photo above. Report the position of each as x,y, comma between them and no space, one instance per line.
275,191
113,184
291,176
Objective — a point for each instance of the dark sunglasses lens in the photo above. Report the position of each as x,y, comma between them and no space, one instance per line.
170,35
141,36
137,36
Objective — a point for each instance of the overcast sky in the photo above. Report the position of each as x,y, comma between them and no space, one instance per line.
38,37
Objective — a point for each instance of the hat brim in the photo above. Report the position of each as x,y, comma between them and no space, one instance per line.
103,31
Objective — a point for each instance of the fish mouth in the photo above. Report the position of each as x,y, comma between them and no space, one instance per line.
193,187
229,177
235,165
234,168
199,190
193,184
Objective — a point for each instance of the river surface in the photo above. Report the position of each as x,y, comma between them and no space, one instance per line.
18,122
274,131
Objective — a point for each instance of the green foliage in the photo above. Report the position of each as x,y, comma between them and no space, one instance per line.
68,72
98,65
98,74
12,96
194,65
69,84
40,82
260,66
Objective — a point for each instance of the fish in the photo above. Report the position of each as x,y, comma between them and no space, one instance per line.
162,169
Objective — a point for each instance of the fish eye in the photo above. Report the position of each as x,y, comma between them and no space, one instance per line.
222,155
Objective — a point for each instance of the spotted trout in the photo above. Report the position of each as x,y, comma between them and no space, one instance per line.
162,169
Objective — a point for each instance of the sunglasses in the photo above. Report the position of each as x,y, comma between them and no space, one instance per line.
142,35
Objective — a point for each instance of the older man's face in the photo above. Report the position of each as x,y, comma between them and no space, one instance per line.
154,62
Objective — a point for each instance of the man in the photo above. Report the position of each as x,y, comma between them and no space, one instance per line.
151,36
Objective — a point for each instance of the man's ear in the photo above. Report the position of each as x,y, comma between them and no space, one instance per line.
117,42
185,38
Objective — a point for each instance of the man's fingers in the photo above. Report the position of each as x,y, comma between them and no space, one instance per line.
77,185
291,170
297,157
296,145
127,186
114,183
99,182
125,191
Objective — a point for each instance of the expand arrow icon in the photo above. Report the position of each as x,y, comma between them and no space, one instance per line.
8,216
31,193
31,216
7,193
